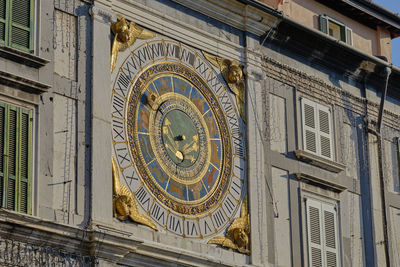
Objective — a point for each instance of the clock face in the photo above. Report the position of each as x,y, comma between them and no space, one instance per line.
177,139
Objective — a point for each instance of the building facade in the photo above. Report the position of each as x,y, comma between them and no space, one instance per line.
199,133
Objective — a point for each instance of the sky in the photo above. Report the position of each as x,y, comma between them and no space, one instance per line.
394,6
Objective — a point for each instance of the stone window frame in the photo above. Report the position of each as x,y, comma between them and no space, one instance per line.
29,109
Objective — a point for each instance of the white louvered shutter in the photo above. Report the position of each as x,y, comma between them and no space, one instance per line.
310,133
325,132
330,236
349,36
323,23
314,233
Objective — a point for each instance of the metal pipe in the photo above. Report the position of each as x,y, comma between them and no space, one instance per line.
387,73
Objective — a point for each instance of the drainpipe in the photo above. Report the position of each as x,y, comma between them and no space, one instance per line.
387,72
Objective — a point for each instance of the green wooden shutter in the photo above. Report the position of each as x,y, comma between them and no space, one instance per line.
3,21
21,24
342,33
2,152
25,161
15,158
12,158
323,23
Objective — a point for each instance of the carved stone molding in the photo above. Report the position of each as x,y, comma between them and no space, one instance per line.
22,57
101,14
22,83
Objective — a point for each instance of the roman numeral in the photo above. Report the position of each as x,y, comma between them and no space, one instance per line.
206,229
187,56
132,176
229,205
233,123
226,103
118,130
122,155
235,188
158,214
142,55
202,68
122,85
238,145
191,229
118,104
143,197
215,83
156,50
238,168
130,68
172,50
174,224
218,218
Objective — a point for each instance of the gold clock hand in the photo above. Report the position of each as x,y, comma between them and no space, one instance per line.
170,138
178,154
194,147
191,158
168,131
195,139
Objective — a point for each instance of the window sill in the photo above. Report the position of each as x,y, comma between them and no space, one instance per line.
334,185
319,161
22,57
22,83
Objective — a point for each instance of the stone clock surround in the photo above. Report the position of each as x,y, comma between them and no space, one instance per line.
101,197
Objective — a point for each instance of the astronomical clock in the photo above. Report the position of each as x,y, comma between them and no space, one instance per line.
178,137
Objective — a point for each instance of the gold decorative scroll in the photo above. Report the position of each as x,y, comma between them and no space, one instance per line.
237,235
233,76
124,203
125,35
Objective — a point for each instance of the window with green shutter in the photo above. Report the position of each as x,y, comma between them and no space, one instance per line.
16,24
15,157
336,29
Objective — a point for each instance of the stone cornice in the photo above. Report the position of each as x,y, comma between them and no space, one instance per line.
22,83
22,57
234,13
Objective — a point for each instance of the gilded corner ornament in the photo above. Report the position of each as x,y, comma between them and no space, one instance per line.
233,76
124,203
125,35
237,235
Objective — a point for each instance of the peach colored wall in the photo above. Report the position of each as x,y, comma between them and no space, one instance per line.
271,3
307,12
384,46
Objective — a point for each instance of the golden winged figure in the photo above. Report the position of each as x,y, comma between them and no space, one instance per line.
233,76
125,205
237,235
125,35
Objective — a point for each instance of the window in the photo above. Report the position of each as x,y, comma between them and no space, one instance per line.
15,157
16,24
317,129
335,29
322,234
